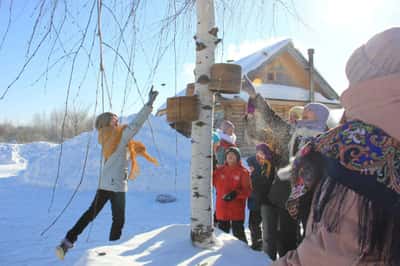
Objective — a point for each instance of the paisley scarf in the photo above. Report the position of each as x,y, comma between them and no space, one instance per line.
359,156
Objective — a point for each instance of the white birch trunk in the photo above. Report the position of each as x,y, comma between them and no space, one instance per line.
202,232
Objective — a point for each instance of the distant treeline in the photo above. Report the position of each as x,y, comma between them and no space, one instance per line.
47,127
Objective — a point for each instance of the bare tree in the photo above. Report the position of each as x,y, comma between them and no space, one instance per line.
47,128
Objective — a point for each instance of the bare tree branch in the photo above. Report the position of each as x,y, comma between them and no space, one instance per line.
3,39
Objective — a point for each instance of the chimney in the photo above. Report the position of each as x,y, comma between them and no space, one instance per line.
311,73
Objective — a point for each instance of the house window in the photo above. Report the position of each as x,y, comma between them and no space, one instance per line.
271,76
281,77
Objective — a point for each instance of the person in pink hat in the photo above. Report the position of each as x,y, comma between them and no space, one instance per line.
350,176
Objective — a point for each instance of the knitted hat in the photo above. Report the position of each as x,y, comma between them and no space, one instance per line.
380,56
321,112
265,150
234,150
373,71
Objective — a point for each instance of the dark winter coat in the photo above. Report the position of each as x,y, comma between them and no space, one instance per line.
226,179
261,178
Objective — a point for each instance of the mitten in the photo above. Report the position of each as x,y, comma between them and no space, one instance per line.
230,196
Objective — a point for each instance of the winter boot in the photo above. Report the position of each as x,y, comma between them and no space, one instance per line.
257,245
62,249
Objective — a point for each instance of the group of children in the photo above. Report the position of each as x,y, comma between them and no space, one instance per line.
272,229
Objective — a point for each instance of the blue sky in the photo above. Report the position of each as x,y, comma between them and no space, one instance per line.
334,28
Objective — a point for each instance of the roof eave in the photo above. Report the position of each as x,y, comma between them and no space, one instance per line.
328,90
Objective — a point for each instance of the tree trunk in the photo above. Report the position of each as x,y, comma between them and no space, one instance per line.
202,232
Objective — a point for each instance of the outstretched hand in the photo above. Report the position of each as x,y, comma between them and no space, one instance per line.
152,96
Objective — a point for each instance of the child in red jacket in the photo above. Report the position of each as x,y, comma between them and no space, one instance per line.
233,186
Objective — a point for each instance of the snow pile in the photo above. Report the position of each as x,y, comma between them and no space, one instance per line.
161,142
170,245
34,150
11,163
9,154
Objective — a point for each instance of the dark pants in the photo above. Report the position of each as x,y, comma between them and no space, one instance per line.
117,200
255,229
280,231
237,228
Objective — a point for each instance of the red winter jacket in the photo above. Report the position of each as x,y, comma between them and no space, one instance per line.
225,179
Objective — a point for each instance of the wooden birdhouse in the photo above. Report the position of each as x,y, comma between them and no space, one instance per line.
182,109
226,78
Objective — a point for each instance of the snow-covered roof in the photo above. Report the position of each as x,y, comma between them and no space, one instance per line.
275,91
257,59
254,60
284,93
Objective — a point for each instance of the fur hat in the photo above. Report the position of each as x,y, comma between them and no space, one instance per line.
380,56
234,150
321,112
263,147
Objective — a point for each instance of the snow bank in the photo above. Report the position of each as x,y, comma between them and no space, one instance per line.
159,138
170,245
34,150
9,154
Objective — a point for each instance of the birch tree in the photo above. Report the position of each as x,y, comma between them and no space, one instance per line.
202,232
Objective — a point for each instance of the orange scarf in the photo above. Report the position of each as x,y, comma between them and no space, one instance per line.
109,139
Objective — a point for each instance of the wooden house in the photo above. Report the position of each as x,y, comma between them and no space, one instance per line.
281,73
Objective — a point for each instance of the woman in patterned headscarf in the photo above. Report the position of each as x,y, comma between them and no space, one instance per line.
353,171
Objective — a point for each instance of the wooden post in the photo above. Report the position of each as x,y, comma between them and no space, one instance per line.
202,231
311,72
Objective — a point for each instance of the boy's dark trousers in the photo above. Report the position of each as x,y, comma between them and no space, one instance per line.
117,200
255,229
237,228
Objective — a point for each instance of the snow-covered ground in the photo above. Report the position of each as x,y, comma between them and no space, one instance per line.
154,233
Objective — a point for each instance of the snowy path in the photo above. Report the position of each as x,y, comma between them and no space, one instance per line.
24,214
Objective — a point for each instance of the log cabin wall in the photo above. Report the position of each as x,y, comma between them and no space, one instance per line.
284,70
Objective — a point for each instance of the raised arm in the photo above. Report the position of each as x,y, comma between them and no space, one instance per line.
135,125
265,117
